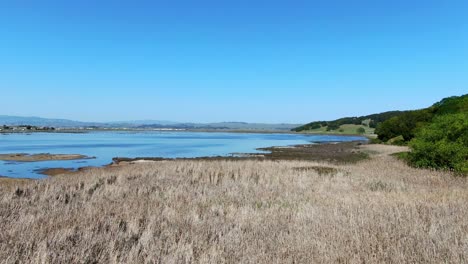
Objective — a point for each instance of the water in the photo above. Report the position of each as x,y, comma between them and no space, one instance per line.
106,145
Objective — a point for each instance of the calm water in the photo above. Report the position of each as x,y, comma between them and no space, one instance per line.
106,145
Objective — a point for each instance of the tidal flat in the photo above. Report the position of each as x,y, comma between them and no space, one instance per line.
24,157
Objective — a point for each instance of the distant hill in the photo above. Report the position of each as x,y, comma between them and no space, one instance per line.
225,125
140,124
132,123
39,121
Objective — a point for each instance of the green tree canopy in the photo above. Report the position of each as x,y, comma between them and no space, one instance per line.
443,144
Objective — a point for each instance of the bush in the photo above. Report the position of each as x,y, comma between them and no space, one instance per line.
315,126
332,126
361,130
443,144
375,141
398,141
401,155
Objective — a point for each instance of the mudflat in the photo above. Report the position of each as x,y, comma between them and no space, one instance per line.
342,152
24,157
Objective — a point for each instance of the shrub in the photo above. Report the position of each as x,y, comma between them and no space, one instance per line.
332,126
375,141
361,130
314,126
443,144
398,141
401,155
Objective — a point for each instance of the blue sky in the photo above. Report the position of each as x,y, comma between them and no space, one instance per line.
203,61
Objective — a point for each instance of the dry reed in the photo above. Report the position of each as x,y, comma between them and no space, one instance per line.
377,210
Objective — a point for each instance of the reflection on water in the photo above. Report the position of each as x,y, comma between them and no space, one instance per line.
106,145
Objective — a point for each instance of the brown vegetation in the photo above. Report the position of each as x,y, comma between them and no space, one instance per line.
23,157
378,210
12,182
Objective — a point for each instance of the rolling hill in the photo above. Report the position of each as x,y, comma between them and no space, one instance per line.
139,124
347,123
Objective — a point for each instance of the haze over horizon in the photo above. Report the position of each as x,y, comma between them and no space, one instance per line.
211,61
135,121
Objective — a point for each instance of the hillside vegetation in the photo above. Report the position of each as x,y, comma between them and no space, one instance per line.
437,135
408,123
376,211
443,144
368,123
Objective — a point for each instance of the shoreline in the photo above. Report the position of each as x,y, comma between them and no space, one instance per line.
333,152
330,151
338,153
242,131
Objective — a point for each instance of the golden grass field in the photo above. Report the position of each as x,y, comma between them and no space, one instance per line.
375,211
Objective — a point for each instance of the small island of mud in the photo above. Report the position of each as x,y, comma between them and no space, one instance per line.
23,157
339,152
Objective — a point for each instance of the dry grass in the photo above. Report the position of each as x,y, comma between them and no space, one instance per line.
378,210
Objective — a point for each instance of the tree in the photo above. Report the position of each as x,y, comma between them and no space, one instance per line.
314,126
332,126
361,130
405,125
443,144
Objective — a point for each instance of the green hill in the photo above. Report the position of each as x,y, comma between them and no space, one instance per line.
349,125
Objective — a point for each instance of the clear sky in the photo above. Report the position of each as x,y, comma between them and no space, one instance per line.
203,61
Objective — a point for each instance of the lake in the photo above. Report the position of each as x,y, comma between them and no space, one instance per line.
107,145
